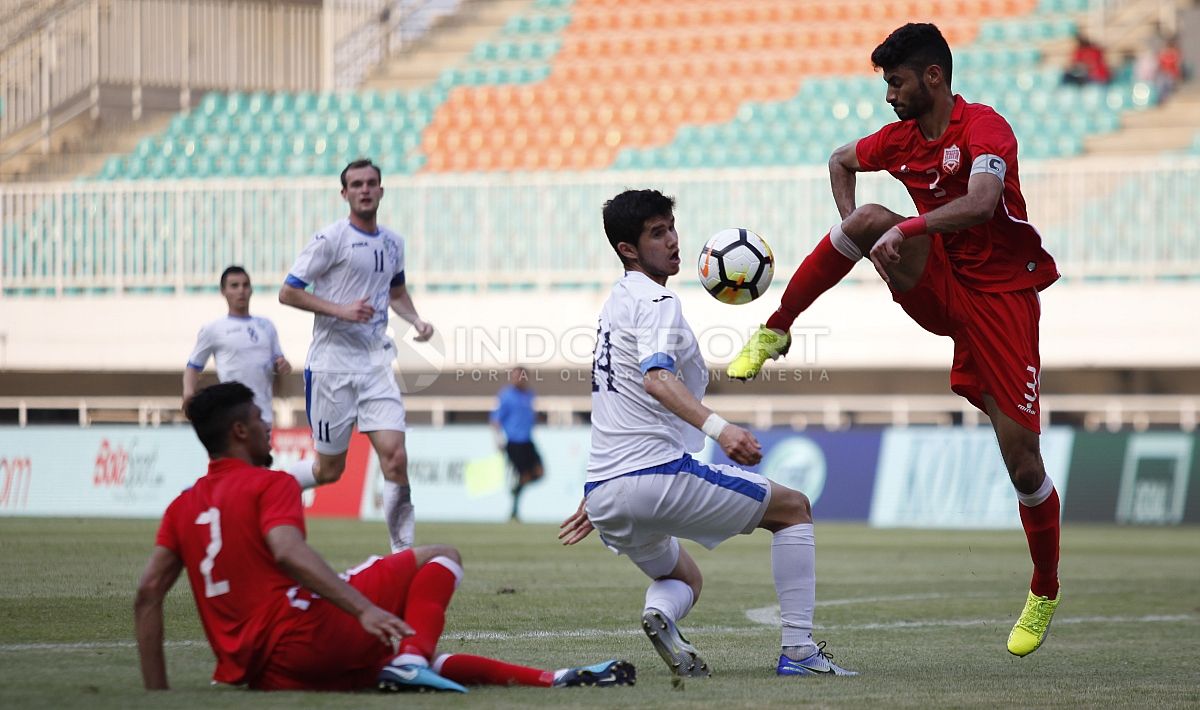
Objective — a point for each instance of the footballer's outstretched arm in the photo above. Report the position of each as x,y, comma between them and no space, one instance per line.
843,166
402,304
665,386
303,564
157,579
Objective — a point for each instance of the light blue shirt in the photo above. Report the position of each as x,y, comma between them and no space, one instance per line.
515,414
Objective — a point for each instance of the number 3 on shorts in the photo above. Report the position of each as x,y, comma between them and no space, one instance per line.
212,518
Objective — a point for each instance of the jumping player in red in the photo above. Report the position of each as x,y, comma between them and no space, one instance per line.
969,266
275,614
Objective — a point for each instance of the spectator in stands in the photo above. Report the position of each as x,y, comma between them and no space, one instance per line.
1168,69
513,421
1087,64
246,347
277,617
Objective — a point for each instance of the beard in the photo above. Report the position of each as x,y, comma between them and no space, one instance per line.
918,105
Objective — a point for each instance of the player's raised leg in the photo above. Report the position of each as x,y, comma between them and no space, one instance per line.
1039,506
793,564
834,256
398,509
332,422
327,468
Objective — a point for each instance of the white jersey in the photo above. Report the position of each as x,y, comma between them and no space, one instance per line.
641,327
344,265
245,348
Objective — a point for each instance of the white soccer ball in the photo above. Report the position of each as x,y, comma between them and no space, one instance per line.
736,266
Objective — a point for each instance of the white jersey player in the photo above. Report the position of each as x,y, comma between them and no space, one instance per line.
644,490
245,347
355,268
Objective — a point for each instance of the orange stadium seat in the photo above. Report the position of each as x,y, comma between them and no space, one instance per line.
628,73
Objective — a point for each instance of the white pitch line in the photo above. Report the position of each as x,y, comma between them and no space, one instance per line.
619,633
769,615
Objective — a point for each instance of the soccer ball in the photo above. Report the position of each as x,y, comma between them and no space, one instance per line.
736,266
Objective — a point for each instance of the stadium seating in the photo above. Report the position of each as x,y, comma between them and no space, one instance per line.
592,84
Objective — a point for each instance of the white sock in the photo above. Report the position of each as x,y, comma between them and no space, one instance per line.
1043,492
670,596
398,513
410,659
793,564
302,471
454,567
844,244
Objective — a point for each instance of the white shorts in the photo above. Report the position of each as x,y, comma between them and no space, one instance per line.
642,514
335,400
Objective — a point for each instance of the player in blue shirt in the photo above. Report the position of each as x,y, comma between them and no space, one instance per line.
513,421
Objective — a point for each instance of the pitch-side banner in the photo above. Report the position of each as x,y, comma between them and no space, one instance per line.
102,471
835,469
458,474
955,478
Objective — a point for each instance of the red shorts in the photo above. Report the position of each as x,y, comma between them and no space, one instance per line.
995,337
325,648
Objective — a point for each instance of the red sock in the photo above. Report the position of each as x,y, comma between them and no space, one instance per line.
1041,530
425,611
477,670
819,272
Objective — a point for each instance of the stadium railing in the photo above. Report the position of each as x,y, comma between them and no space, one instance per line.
1125,219
61,69
834,412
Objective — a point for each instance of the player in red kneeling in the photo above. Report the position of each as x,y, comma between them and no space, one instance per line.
277,617
969,266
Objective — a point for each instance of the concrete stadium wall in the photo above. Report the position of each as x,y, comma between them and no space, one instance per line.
1144,325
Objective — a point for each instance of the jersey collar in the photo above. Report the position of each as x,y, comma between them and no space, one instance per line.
960,107
217,467
365,234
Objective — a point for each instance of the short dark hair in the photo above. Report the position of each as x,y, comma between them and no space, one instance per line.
917,46
214,410
625,215
230,271
361,163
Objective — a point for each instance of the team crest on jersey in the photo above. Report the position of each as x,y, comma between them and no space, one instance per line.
951,159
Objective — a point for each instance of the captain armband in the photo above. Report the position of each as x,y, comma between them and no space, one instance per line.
991,164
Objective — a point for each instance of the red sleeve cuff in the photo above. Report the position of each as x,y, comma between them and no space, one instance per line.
912,227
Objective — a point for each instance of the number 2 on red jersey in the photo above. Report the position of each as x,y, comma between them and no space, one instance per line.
212,518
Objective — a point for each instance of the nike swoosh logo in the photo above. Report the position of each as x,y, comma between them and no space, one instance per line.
606,678
810,669
704,268
405,673
660,298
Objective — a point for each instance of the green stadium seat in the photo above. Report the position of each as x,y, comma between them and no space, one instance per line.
213,102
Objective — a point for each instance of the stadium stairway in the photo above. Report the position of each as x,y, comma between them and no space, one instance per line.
447,44
1168,127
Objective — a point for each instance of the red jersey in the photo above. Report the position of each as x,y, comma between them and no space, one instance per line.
218,528
1004,253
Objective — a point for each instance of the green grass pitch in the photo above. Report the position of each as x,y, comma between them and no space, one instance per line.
922,614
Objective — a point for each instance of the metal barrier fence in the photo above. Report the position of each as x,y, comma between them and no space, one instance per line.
56,72
1093,412
1128,219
